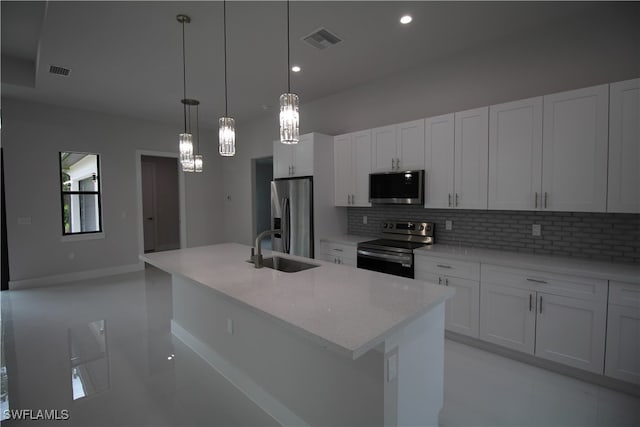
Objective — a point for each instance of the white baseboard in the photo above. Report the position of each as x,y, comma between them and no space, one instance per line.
72,277
268,403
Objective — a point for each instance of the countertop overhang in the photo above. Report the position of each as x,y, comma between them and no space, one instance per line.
343,308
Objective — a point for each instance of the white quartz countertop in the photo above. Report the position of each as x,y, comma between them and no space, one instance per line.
347,309
346,239
582,267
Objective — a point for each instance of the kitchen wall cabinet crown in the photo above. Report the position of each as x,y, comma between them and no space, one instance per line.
291,160
352,154
624,147
398,147
456,150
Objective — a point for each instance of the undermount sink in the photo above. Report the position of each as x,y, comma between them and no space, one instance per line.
286,265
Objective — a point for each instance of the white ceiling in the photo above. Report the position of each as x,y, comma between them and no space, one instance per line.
125,57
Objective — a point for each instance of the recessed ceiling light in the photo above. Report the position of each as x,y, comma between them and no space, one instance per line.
295,69
406,19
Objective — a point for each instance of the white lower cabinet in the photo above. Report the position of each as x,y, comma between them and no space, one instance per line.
623,333
338,253
555,317
570,331
461,311
507,317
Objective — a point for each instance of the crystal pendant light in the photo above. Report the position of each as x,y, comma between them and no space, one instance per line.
289,117
227,125
192,160
185,138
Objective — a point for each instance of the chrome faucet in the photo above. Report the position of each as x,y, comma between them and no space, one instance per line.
257,257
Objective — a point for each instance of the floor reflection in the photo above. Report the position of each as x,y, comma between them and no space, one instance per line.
103,350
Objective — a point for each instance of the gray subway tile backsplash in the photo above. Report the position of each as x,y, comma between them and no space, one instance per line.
599,236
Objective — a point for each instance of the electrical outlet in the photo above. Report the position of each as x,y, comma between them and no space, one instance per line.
25,220
364,219
230,326
448,225
536,230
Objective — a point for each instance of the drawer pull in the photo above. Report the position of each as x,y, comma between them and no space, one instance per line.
540,304
536,281
337,250
443,266
530,302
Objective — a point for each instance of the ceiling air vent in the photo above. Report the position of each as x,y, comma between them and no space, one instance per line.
322,39
61,71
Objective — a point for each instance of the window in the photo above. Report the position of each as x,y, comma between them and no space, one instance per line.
80,193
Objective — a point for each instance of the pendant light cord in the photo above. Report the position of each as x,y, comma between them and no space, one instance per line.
184,79
288,53
224,24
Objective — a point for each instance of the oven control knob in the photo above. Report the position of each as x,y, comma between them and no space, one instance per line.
421,227
384,225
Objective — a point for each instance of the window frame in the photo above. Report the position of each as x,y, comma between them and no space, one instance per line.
97,193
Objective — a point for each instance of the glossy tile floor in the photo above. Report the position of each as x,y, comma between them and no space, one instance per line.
102,350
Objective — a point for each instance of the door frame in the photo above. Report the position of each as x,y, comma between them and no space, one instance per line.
181,198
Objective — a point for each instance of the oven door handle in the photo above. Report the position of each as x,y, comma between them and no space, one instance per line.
399,259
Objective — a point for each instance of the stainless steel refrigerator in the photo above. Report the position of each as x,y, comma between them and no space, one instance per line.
292,212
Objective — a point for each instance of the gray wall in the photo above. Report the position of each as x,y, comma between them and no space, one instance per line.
607,237
32,136
583,51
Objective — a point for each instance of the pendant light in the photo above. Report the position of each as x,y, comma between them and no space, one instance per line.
227,125
185,138
289,117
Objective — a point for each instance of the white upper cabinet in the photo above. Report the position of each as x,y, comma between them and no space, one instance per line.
352,154
624,147
398,147
515,155
471,158
439,140
384,150
342,170
410,143
291,160
574,149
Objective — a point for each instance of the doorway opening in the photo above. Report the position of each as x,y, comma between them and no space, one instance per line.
263,175
160,203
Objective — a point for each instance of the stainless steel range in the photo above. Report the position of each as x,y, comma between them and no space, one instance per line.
393,254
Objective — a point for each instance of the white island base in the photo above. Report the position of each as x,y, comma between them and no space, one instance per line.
298,381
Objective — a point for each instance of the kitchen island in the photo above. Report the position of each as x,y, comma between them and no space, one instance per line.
332,345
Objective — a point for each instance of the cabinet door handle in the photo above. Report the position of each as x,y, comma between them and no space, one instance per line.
449,199
439,280
535,202
337,249
536,281
397,163
540,304
546,197
446,282
457,199
443,266
530,302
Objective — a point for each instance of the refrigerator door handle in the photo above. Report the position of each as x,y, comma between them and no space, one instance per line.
286,225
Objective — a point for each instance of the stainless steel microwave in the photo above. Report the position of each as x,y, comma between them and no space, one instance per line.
397,188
